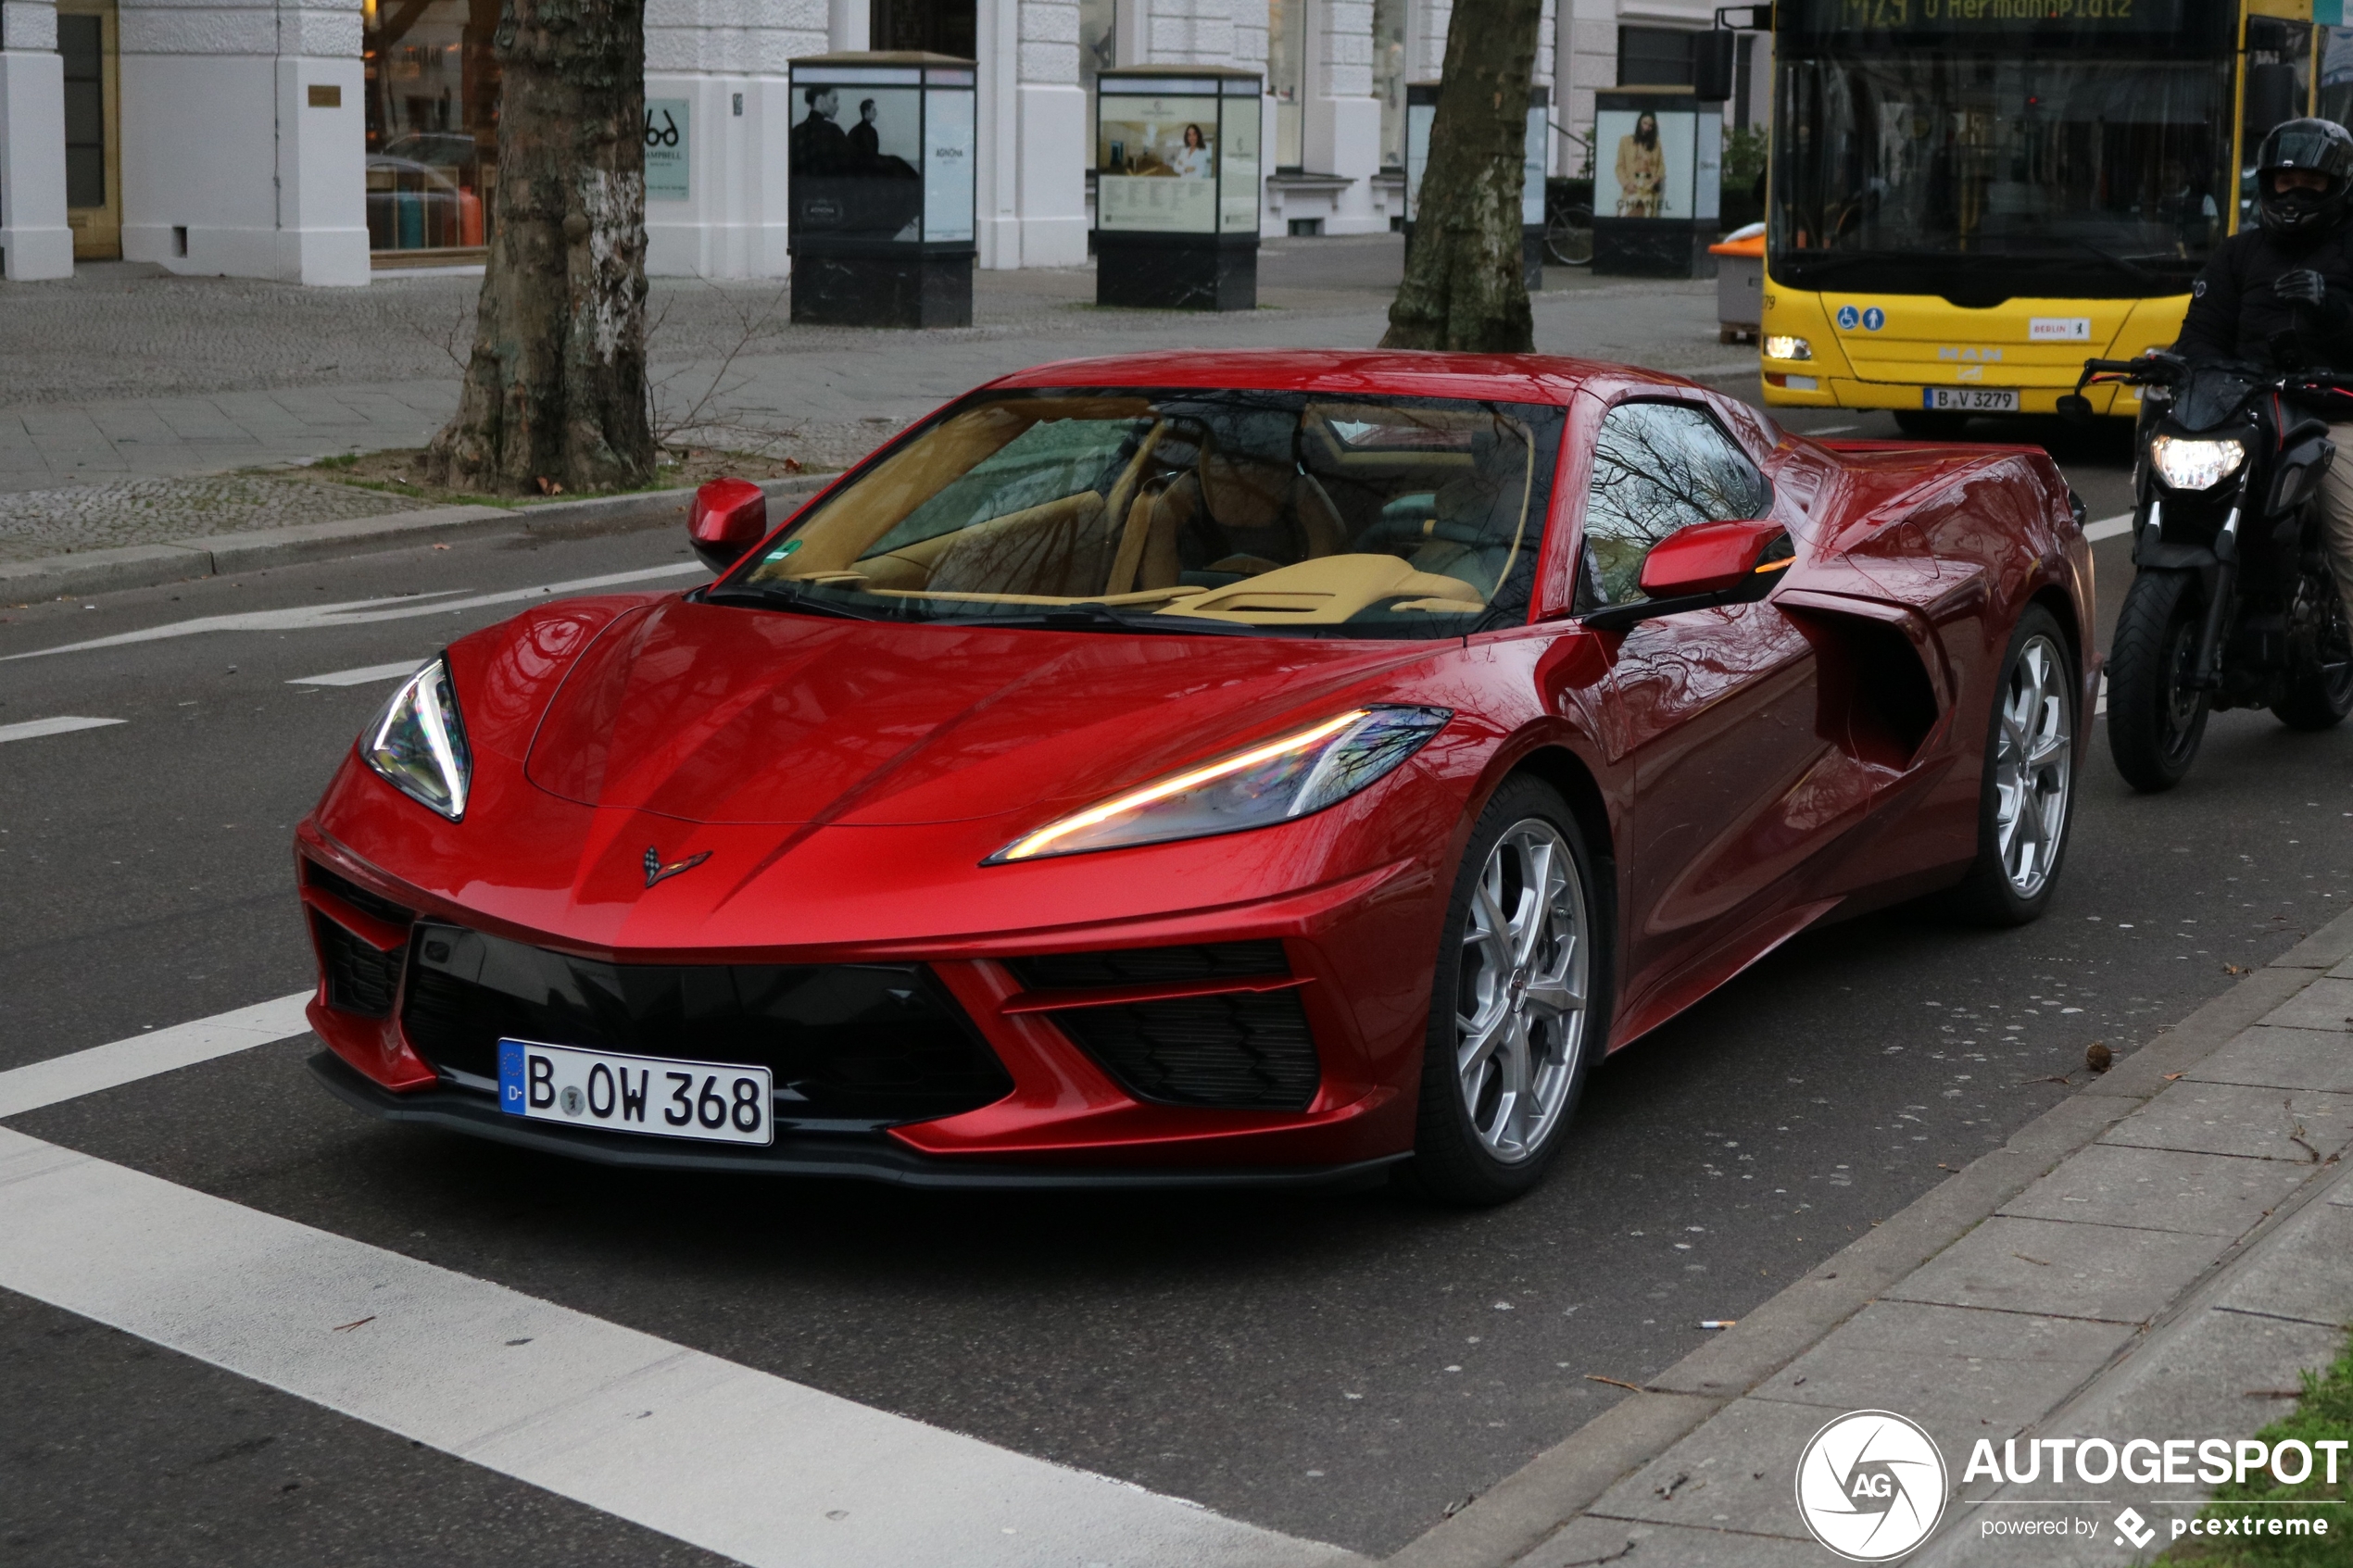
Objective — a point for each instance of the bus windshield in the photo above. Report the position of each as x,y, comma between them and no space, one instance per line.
1985,175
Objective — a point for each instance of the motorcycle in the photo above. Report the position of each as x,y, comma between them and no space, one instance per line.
2232,604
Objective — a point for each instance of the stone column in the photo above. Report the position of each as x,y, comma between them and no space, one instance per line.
1342,129
730,64
34,240
243,144
1054,136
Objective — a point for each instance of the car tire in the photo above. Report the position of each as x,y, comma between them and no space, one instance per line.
2154,725
1526,951
2026,796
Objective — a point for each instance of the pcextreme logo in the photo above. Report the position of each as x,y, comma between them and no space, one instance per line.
1870,1486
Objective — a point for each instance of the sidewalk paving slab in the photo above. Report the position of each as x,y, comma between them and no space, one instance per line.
2327,1003
2160,1189
2306,1275
1589,1542
2276,1057
1947,1367
2065,1270
2302,1126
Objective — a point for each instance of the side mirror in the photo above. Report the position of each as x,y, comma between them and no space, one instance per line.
1716,558
2075,409
729,516
1705,565
1713,58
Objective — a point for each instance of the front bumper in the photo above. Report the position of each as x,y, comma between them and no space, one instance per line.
855,1157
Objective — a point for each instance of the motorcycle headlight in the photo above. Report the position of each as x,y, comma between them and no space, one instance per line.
1294,776
417,743
2184,464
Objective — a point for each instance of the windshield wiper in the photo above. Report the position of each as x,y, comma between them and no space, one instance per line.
785,596
1088,617
2133,269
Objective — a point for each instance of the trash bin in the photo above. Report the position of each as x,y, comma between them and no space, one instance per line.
882,151
1176,195
1740,285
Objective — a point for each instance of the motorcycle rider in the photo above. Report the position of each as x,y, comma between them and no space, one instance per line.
2281,294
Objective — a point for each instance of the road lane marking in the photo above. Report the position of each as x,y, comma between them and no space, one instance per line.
362,676
143,1056
2108,527
362,612
33,728
724,1457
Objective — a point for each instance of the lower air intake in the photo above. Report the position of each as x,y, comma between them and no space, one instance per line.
362,978
1241,1051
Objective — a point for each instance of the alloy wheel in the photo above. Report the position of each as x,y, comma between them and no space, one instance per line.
1520,1016
2033,766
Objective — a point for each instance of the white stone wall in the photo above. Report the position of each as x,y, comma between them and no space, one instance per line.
731,61
1054,135
227,167
34,240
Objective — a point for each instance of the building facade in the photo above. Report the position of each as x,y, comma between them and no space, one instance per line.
323,141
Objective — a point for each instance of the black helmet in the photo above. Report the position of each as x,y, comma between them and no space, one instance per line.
2321,146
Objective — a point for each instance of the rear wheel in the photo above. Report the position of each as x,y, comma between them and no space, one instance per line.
2154,721
1515,1011
1568,236
2027,799
2319,672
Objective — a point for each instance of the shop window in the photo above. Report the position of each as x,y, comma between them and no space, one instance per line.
1097,44
432,123
943,26
1389,79
1287,77
1654,56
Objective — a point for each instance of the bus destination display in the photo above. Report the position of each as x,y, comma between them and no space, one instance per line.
1964,17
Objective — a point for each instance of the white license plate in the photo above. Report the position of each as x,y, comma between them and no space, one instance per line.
1968,400
716,1101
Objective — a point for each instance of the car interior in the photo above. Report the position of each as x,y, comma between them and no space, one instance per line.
1258,507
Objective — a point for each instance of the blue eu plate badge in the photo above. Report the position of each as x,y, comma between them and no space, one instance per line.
511,1076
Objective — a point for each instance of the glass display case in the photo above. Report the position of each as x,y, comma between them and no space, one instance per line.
1658,176
431,117
1421,112
1177,187
882,151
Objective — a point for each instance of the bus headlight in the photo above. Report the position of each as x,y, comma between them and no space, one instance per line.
2194,465
1781,347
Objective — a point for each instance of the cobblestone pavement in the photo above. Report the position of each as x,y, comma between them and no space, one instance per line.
139,511
125,378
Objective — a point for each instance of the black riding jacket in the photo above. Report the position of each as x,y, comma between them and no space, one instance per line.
2235,314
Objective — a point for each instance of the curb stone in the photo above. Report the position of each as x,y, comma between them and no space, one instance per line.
1534,1505
219,555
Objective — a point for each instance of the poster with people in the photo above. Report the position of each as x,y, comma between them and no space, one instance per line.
1644,167
1156,162
856,158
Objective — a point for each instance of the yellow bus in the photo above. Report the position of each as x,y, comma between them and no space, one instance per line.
1968,198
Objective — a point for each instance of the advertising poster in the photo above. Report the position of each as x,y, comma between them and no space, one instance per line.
667,145
1238,165
1642,166
1158,163
949,150
857,154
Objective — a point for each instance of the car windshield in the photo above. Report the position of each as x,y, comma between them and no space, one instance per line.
1184,510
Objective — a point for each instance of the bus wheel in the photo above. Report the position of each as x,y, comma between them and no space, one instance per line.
1931,426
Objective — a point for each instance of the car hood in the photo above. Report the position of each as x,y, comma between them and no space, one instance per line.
722,714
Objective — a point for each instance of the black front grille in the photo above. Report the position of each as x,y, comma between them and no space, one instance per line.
359,898
873,1043
1149,966
1238,1050
362,978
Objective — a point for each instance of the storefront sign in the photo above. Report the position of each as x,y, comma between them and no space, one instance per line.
667,144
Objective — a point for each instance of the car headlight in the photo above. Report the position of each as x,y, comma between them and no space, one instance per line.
417,743
1780,348
1292,777
2196,465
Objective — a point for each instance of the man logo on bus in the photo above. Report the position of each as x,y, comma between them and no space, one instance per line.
1874,318
1848,316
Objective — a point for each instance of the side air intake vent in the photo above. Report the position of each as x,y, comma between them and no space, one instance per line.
362,978
1240,1050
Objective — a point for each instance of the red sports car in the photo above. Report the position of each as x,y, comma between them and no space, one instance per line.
1200,768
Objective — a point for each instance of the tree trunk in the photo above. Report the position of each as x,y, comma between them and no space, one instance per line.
555,391
1463,289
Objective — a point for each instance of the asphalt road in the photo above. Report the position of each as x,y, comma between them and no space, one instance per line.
1342,1368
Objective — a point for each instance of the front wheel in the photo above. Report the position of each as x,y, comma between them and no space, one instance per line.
2155,720
1518,1002
2319,672
2027,796
1568,237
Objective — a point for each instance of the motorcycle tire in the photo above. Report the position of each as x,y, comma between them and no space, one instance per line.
2320,674
2154,726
